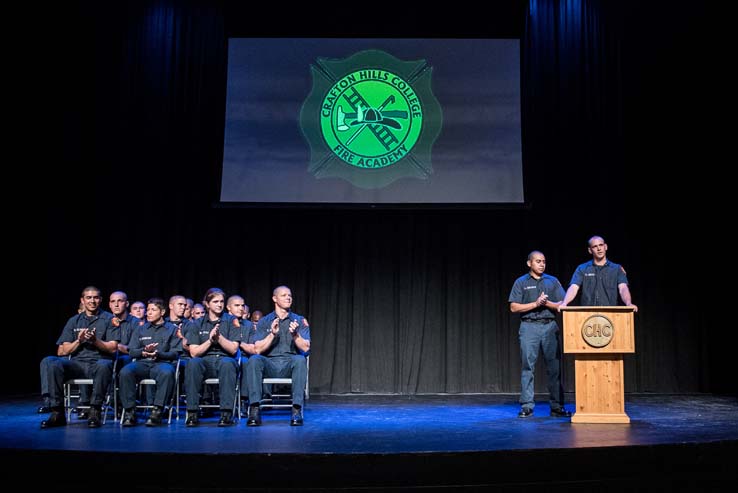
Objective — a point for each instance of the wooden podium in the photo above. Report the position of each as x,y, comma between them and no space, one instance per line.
598,336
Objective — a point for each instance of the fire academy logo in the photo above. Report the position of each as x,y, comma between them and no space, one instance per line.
371,119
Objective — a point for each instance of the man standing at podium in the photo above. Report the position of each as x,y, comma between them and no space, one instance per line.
536,296
599,279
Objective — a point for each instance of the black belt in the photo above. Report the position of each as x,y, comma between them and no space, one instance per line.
539,320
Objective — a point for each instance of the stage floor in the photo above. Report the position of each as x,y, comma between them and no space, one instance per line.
421,441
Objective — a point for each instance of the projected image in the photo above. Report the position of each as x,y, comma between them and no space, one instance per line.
372,121
389,107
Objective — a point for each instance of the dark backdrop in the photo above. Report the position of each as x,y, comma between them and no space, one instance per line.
620,138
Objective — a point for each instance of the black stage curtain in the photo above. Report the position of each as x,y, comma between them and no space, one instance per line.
400,301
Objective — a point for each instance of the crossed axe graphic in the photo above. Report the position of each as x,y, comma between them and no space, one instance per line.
359,115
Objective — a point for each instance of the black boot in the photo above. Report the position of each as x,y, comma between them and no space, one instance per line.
57,418
296,419
129,417
94,420
45,408
192,419
154,417
226,418
254,416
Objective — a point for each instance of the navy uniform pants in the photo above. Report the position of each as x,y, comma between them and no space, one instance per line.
134,372
55,370
544,337
294,367
224,368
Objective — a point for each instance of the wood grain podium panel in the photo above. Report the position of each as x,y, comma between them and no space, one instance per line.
600,397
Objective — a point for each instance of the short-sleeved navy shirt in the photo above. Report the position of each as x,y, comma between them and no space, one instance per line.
165,334
599,283
126,327
181,324
283,345
199,331
248,331
104,330
527,288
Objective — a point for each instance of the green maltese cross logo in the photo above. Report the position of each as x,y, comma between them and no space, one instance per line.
371,119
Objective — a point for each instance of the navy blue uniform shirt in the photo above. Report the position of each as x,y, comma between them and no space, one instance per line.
283,345
248,331
527,288
104,330
126,327
599,283
165,334
199,331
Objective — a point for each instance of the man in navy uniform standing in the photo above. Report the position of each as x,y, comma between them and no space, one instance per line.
600,280
536,296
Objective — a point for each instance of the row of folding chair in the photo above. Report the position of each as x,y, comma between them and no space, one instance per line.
275,401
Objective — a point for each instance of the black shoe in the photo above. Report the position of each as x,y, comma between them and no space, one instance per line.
129,418
83,413
296,419
254,416
57,418
44,410
154,417
525,412
560,413
226,418
192,419
94,420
